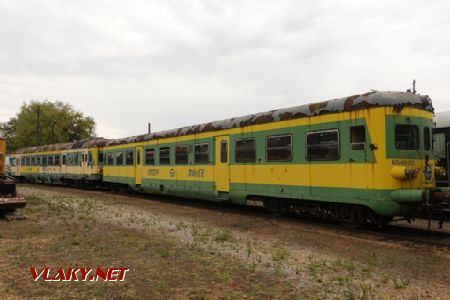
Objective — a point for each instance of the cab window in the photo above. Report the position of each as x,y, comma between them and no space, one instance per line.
426,138
407,137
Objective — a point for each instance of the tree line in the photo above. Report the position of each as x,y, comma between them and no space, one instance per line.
44,122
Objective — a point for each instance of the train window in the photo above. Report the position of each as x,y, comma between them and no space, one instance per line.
358,137
100,157
426,138
407,137
44,160
33,161
119,158
322,145
181,155
75,159
201,153
57,159
245,150
38,161
109,159
279,148
50,160
129,157
223,151
164,156
64,159
138,157
150,156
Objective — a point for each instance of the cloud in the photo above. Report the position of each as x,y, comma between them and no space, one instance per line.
176,63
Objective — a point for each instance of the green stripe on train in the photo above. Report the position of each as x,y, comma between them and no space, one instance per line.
378,200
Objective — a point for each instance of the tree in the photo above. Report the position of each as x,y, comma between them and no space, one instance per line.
58,122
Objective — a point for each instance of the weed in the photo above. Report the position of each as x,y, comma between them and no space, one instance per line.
198,293
223,236
280,254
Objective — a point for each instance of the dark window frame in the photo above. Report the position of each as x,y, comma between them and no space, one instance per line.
427,141
147,150
224,152
169,160
129,157
236,150
199,154
185,155
358,145
417,137
110,158
338,157
116,158
272,148
100,157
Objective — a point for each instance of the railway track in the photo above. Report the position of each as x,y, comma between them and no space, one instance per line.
414,234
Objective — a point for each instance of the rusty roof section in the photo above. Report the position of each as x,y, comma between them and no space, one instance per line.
82,144
398,100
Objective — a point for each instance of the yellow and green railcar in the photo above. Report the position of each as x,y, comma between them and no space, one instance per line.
359,157
78,163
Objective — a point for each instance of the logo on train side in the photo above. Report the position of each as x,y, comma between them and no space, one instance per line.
172,172
428,172
196,173
153,172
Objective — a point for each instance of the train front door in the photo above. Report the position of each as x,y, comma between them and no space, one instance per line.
222,167
138,169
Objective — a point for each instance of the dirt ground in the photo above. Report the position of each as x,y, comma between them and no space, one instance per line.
183,249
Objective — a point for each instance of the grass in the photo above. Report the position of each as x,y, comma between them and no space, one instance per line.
198,255
65,231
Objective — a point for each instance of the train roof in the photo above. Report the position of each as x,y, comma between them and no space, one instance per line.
442,119
398,100
85,143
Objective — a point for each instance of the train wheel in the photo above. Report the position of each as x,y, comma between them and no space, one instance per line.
351,217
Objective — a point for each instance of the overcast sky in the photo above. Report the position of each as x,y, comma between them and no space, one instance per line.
176,63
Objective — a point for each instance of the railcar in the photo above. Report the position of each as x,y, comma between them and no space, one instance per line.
9,201
76,163
353,159
350,159
441,140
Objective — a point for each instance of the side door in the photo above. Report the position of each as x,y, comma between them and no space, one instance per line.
84,162
222,167
138,168
63,163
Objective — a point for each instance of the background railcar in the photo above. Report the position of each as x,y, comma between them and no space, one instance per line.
68,163
441,139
